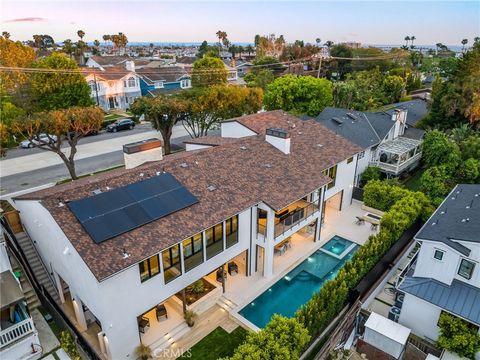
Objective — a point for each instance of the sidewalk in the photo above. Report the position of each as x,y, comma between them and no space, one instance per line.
45,159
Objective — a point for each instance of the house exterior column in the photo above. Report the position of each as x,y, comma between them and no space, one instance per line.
269,244
78,309
58,284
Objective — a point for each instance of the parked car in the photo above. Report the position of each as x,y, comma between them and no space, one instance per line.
122,124
42,138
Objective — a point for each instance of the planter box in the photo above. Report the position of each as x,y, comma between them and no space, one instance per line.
204,303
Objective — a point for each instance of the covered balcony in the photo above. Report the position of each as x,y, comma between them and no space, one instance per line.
398,155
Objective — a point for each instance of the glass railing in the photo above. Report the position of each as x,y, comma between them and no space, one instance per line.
295,217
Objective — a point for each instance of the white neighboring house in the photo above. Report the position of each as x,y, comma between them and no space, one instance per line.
239,199
388,138
445,274
113,87
18,335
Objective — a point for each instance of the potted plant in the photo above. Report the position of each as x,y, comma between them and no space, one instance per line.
143,352
189,317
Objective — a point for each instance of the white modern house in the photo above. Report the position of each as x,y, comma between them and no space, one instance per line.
388,137
124,246
444,276
18,335
113,87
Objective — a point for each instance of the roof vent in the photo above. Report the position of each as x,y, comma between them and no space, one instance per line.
268,165
126,255
211,188
97,191
337,120
352,116
243,147
196,162
319,145
107,187
184,165
61,204
466,220
141,174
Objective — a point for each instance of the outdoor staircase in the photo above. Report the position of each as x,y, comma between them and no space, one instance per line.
172,336
37,266
226,304
30,295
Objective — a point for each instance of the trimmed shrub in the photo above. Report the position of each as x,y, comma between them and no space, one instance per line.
458,336
370,173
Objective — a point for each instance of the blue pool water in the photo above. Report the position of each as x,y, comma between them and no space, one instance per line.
292,291
337,245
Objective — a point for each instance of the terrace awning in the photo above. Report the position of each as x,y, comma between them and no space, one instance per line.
399,146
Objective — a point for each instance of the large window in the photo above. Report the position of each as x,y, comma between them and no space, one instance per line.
466,269
92,84
131,82
214,240
192,252
171,263
231,231
149,268
331,173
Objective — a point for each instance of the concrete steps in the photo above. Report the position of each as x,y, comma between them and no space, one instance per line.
38,269
171,337
226,304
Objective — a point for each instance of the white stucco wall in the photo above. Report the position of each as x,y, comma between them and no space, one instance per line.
22,349
234,129
118,300
344,181
420,316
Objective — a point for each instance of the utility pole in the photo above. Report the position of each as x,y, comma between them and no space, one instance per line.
96,88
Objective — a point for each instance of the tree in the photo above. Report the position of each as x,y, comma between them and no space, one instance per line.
209,71
96,45
341,66
464,42
469,171
407,39
458,336
67,125
249,49
6,35
210,105
370,173
14,54
163,112
328,44
470,147
52,90
299,94
393,88
106,38
318,41
81,34
438,149
259,78
436,183
222,38
412,39
282,338
68,47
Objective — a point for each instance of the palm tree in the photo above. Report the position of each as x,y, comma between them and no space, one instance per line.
407,39
249,49
68,47
106,38
96,43
81,34
461,132
6,35
476,39
437,46
318,41
328,43
412,39
464,42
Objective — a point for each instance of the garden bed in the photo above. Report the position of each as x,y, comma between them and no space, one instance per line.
193,293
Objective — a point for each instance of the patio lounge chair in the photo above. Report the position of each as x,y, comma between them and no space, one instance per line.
232,268
143,324
161,311
280,250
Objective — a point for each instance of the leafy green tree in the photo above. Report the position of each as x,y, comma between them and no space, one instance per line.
14,54
208,106
469,171
370,173
281,339
393,88
458,336
163,112
209,71
205,48
341,66
436,183
259,78
62,126
299,94
470,147
56,90
438,149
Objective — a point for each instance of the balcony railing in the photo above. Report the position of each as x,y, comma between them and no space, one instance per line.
410,267
15,332
294,218
397,168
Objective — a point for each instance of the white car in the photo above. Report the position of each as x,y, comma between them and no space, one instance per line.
42,138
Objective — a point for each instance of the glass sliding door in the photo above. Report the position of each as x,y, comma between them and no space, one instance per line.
171,263
192,252
231,231
214,240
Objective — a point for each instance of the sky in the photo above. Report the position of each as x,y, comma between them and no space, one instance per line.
368,22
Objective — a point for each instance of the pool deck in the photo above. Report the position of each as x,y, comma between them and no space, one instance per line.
241,290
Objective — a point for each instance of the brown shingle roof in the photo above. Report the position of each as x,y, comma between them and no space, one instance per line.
238,171
110,73
110,60
211,140
166,73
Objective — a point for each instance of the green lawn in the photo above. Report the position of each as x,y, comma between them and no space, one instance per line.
110,117
217,344
413,183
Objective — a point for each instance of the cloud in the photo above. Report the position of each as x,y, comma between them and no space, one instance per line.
27,19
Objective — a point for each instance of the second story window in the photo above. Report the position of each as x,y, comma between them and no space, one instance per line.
438,255
231,231
149,268
214,240
192,252
331,173
466,269
171,263
349,160
130,82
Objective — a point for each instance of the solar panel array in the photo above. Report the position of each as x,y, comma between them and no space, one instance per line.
115,212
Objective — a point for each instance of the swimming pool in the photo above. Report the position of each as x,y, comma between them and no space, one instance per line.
293,290
338,247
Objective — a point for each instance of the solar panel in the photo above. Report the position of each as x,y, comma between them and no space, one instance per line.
109,214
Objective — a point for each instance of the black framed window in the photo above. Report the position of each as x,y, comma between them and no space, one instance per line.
466,269
349,160
438,255
361,154
171,263
231,231
214,240
332,174
149,268
192,252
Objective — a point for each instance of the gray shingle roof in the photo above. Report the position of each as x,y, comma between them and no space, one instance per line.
457,218
414,133
416,110
358,130
459,298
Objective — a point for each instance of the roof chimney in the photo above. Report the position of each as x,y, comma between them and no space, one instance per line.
279,138
140,152
130,65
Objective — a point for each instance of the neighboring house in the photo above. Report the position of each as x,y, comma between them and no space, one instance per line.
154,80
387,140
444,276
18,335
102,62
113,88
126,243
243,67
416,109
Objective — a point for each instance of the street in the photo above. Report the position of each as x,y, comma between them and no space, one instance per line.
23,169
